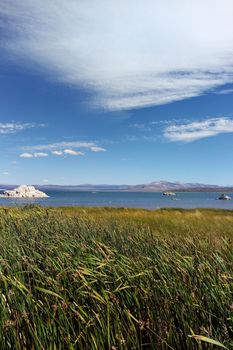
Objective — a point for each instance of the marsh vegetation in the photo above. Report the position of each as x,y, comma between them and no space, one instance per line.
101,278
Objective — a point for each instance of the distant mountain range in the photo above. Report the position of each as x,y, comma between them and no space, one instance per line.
156,186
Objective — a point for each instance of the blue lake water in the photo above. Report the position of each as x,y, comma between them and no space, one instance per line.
126,199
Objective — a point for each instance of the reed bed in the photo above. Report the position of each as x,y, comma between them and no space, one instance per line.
115,279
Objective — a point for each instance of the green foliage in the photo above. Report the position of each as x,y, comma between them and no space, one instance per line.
103,278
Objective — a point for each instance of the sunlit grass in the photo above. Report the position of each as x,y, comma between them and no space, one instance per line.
103,278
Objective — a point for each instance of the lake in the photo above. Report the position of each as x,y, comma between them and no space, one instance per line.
126,199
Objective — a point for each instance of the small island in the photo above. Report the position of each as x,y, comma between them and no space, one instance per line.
24,191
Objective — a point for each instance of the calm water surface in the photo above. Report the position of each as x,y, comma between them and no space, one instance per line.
126,199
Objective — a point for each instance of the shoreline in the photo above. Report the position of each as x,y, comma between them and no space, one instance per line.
116,210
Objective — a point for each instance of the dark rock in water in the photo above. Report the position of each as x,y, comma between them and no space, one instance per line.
224,197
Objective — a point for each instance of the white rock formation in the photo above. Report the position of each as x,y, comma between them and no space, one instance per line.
24,191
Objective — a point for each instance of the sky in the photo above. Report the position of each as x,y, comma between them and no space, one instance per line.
116,92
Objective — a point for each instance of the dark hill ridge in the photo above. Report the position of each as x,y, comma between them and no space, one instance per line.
155,186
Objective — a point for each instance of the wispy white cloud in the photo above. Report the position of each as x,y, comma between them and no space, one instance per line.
224,92
13,127
5,173
97,149
61,149
40,154
57,153
72,152
33,155
58,146
140,126
197,130
66,147
26,155
130,53
67,151
168,121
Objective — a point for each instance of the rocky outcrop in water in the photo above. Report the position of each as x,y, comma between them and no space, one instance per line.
24,191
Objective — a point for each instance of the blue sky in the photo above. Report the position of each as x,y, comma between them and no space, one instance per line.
116,92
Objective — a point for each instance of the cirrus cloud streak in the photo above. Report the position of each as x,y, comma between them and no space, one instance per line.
13,127
193,131
128,53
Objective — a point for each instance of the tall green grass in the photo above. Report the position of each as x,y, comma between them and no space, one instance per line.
75,278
